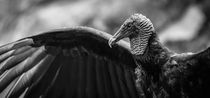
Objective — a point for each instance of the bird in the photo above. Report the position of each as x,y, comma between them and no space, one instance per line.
160,72
82,62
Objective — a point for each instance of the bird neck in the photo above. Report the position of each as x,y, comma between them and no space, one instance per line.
154,54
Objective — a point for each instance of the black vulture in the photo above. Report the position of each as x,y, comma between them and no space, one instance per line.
160,72
78,63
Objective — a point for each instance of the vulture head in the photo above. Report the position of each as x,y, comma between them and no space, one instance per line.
138,29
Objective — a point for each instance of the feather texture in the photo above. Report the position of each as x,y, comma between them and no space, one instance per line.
75,63
162,73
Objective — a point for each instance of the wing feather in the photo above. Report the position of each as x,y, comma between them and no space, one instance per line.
33,75
106,82
15,45
114,80
69,63
203,57
131,88
6,92
14,59
120,81
99,78
91,77
22,67
81,80
6,55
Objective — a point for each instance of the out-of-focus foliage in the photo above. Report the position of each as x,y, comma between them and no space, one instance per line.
183,25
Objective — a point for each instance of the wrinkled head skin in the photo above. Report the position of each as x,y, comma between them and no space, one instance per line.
136,25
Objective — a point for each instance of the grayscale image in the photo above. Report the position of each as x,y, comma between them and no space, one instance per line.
104,49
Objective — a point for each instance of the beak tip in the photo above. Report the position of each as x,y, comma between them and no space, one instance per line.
110,46
111,42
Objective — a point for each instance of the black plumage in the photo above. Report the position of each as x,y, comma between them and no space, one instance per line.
78,63
161,72
73,63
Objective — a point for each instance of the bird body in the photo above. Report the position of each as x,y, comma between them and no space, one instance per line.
161,72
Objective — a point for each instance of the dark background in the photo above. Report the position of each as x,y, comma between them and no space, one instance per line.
182,25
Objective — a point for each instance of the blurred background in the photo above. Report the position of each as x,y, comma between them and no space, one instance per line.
182,25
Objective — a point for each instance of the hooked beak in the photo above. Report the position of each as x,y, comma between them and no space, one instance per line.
120,34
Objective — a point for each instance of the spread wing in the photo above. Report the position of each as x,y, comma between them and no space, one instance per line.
188,74
198,61
203,57
68,63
